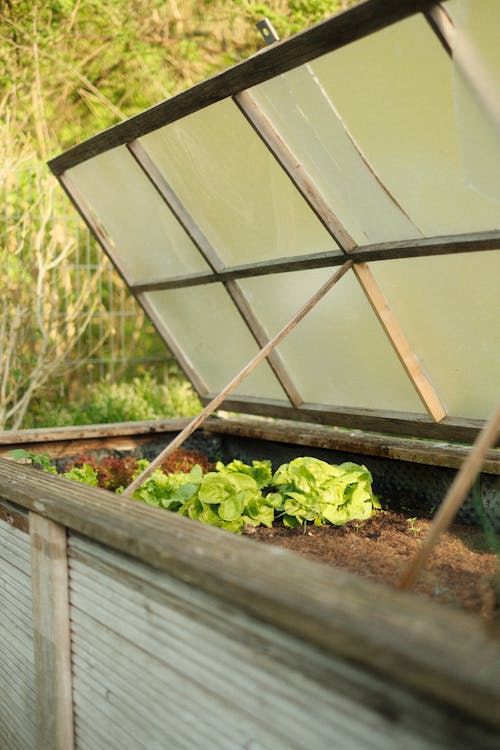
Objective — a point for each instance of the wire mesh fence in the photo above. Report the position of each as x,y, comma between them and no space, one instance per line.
111,335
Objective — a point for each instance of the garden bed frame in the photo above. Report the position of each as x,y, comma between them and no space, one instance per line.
123,626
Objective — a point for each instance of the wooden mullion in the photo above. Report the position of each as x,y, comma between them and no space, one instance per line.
395,334
442,25
294,169
348,26
211,256
91,222
257,330
240,376
51,630
184,218
85,212
191,372
418,248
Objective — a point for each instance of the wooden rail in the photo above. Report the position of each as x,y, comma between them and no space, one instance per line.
427,651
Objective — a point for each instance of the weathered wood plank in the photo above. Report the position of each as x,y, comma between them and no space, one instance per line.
420,248
51,627
17,674
383,446
363,19
426,648
388,422
124,613
128,435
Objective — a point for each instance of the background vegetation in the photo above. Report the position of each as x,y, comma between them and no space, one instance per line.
69,68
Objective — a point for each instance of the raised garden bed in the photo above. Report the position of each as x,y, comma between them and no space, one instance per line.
137,611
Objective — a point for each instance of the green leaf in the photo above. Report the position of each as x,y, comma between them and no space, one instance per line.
232,507
215,488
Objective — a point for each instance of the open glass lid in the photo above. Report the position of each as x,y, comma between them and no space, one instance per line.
367,149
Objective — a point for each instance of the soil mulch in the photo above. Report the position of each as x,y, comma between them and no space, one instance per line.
461,571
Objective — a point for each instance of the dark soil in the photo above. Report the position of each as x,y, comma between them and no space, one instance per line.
461,571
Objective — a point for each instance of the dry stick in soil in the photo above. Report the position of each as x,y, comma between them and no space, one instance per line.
454,497
261,355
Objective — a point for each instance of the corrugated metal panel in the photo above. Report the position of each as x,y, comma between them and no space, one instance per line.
17,669
158,664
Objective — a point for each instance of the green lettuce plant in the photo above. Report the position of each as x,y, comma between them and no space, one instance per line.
311,490
306,490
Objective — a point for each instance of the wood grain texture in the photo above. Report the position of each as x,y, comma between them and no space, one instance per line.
399,342
346,27
404,424
137,632
294,169
428,649
65,441
17,669
421,248
51,626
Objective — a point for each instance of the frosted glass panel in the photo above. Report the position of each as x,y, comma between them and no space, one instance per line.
233,187
338,354
394,91
149,242
477,93
449,307
208,327
301,110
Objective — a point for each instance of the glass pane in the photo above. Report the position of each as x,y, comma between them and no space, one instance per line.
233,187
449,308
149,242
208,327
338,354
477,93
394,92
300,108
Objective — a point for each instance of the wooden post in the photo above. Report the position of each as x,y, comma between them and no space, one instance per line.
399,343
235,382
51,629
454,497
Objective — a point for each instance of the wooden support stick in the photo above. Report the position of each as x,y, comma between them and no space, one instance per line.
230,387
398,340
454,497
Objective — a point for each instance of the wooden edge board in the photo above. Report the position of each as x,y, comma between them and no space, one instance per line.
348,26
370,444
402,424
65,441
424,248
51,632
432,650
